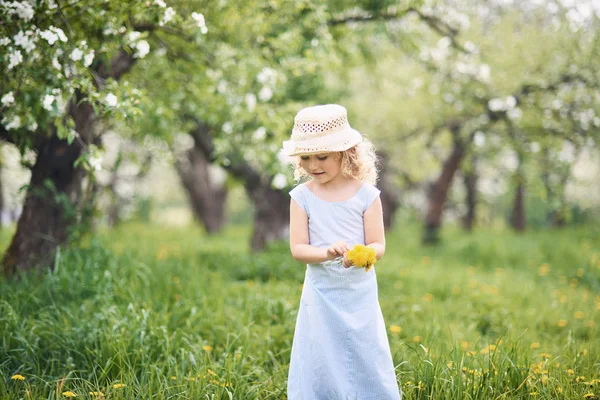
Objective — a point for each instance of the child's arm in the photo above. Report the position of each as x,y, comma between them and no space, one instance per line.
374,230
299,243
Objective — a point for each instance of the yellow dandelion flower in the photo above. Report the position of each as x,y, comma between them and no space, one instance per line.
465,345
420,386
579,315
362,256
191,378
210,371
395,329
428,297
562,323
416,339
546,355
589,396
450,364
69,394
534,345
570,371
173,378
119,385
97,394
207,348
543,269
17,377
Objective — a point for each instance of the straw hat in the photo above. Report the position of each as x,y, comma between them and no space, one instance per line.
321,129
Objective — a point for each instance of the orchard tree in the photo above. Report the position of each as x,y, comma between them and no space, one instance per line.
64,65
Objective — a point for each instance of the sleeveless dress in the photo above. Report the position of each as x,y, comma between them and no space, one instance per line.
340,349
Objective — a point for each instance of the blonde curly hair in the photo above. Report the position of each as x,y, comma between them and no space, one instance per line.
358,162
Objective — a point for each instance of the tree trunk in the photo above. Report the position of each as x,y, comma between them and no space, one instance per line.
50,206
438,193
207,195
2,204
470,180
390,200
517,219
54,195
271,214
271,206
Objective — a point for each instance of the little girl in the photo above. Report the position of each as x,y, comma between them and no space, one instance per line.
340,349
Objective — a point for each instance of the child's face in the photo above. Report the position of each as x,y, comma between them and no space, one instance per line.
322,167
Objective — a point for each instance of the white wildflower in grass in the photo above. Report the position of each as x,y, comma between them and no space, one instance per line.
76,54
265,94
160,3
143,48
47,102
49,36
14,58
15,123
51,4
279,181
111,100
89,58
484,72
169,14
200,21
251,101
7,99
4,41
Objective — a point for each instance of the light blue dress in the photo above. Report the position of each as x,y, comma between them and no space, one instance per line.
340,349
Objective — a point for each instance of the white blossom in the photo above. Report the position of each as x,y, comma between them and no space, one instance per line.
279,181
251,101
227,127
111,100
200,21
56,64
260,133
265,94
76,54
95,162
133,36
49,36
479,139
47,102
143,48
8,99
534,147
160,3
4,41
23,9
59,32
25,40
51,4
267,77
169,14
89,58
514,113
484,72
15,58
14,124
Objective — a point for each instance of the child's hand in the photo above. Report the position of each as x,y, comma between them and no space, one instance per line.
337,249
347,262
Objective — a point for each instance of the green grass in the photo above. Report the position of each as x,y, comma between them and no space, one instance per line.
171,313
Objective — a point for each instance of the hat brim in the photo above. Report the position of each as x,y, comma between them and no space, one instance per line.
338,141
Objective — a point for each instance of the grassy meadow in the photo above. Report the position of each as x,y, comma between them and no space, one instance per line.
153,312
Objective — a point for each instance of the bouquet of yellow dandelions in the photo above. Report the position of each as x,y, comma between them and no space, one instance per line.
362,256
